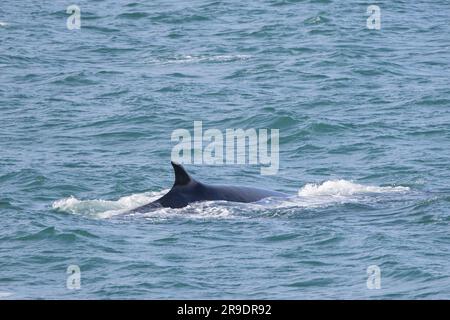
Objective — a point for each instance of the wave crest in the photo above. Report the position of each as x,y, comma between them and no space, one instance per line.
199,58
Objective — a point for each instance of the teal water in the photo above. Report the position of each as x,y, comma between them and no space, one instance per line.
87,116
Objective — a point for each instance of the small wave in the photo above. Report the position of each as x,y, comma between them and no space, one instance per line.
344,188
202,58
133,15
316,20
3,24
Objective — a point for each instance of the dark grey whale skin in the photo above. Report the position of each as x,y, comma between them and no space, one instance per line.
186,190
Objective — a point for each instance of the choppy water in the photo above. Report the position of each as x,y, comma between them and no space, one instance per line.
86,119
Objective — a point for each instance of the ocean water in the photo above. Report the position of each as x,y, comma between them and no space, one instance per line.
86,122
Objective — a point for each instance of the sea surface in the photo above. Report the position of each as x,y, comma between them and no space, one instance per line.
86,121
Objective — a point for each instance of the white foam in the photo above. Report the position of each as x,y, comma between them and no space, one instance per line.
200,58
344,188
3,24
311,195
104,208
198,210
332,192
4,294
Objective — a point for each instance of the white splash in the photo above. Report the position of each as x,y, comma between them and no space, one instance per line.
330,193
310,196
200,58
103,208
3,24
344,188
198,210
4,294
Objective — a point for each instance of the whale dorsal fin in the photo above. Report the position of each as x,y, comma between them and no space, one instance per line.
181,176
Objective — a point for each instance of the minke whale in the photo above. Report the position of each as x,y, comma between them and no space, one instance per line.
186,190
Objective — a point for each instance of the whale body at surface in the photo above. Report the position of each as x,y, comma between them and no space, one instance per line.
186,190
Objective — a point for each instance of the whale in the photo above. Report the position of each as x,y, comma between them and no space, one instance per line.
187,190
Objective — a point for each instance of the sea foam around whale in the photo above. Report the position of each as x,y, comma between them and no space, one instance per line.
310,196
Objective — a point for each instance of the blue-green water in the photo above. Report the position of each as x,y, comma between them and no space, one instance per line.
86,122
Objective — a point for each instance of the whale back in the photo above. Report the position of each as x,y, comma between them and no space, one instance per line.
186,190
